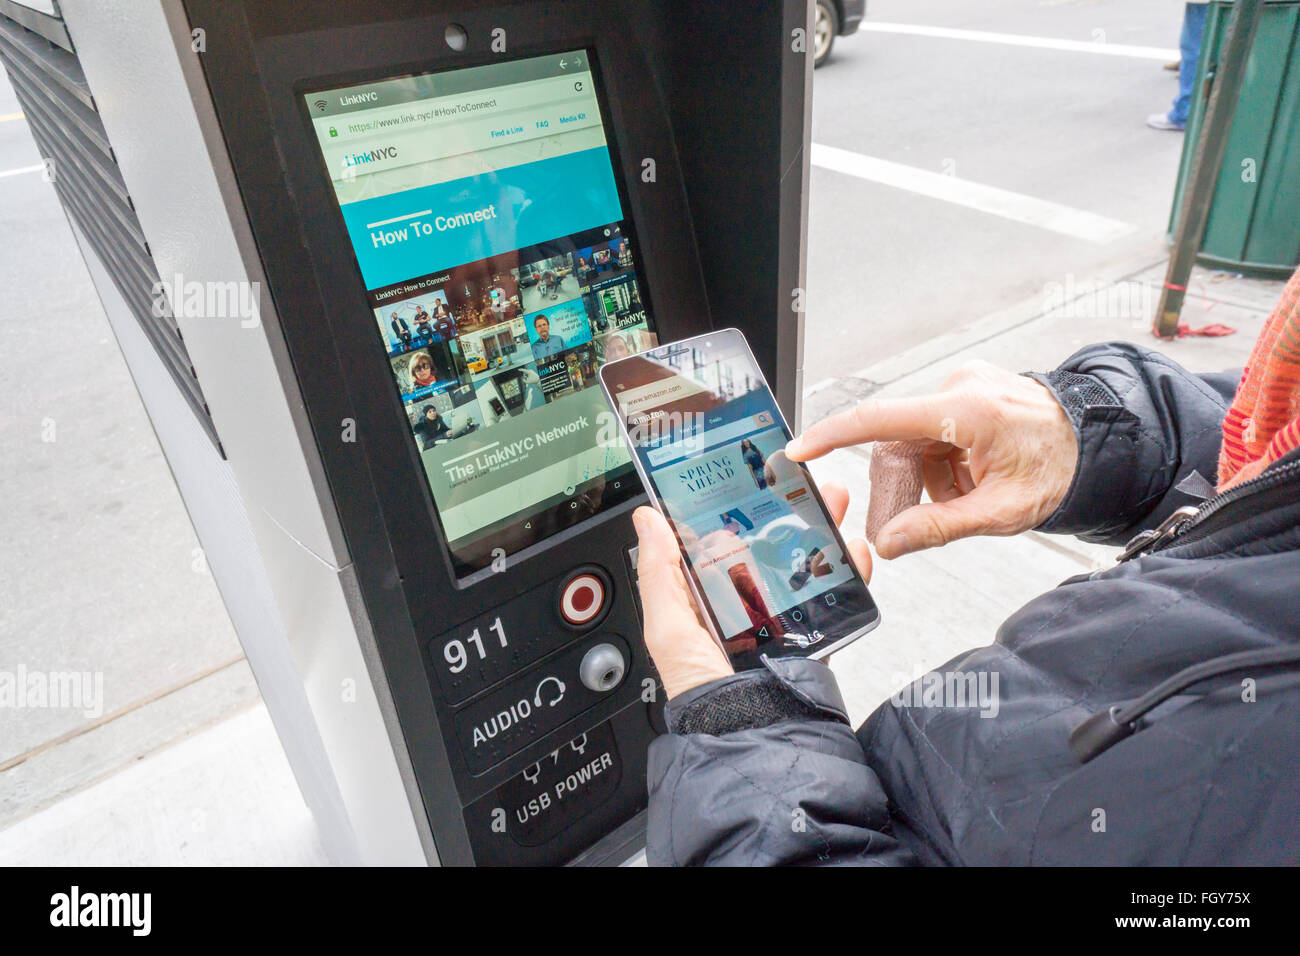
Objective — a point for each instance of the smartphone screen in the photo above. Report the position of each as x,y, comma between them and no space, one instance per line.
762,553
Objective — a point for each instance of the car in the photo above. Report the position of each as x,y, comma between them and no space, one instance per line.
834,18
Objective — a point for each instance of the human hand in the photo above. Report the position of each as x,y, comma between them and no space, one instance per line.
998,455
684,652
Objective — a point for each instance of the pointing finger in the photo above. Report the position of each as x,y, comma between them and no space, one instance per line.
885,419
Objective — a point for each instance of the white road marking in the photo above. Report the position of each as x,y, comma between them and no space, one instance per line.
998,202
1099,47
22,169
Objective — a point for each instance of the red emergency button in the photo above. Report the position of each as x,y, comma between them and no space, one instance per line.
582,598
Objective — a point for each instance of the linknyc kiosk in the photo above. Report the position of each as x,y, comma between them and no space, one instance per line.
363,260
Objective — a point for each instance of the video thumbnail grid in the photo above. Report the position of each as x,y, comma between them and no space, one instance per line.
492,339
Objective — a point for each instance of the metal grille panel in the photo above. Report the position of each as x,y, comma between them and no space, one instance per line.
47,79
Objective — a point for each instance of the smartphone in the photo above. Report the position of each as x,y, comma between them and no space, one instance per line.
762,556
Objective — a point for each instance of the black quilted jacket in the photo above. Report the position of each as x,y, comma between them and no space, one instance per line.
763,768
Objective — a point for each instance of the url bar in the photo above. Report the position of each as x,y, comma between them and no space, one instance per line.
709,438
405,129
496,105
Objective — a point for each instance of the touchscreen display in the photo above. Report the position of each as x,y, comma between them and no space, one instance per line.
759,543
485,214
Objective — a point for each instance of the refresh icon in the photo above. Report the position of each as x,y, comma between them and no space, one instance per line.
558,692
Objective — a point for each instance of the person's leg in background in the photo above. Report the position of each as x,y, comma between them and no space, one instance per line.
1190,47
1193,30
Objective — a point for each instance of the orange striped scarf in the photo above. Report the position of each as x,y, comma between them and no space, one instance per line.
1263,423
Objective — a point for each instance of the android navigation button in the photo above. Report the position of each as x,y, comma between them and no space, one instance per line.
583,597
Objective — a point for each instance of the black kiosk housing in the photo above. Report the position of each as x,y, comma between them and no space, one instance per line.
716,98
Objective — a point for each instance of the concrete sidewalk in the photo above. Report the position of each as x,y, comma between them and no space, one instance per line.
223,794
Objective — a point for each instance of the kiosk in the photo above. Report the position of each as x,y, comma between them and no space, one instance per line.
364,260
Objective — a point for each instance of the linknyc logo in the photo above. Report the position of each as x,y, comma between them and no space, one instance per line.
374,156
102,910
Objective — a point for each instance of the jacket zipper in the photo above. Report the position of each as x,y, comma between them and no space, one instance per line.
1186,519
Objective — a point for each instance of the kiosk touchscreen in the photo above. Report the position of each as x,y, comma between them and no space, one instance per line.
488,225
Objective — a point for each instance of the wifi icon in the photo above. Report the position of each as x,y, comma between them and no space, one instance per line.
321,104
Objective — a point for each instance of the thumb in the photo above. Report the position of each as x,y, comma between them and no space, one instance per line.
936,523
658,570
683,652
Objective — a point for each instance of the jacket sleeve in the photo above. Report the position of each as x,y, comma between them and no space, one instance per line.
1149,433
762,768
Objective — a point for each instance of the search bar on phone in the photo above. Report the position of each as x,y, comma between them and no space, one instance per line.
702,441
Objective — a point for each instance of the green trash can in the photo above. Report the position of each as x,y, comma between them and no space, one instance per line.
1254,222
